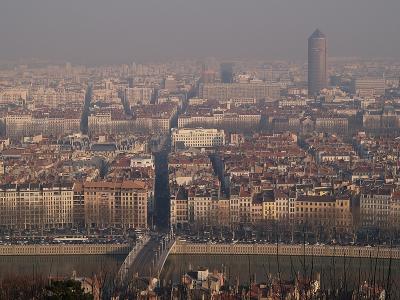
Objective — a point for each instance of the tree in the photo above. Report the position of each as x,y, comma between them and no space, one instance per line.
66,290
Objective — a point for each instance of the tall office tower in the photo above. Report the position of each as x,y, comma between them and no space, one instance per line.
316,63
131,82
226,70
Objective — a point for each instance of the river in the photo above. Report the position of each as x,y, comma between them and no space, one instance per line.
83,265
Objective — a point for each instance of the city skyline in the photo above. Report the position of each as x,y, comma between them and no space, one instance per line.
163,135
124,31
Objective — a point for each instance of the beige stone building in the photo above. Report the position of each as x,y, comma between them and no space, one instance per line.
323,211
120,204
19,125
36,206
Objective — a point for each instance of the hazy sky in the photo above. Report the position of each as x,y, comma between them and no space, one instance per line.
116,31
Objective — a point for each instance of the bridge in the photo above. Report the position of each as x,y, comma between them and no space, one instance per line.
147,258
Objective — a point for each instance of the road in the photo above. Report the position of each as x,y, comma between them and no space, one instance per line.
143,263
162,190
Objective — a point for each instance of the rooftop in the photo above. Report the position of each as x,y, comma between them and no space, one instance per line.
317,34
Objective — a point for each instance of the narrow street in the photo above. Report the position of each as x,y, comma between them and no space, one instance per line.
162,190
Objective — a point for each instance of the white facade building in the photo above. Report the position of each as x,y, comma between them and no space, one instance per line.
198,137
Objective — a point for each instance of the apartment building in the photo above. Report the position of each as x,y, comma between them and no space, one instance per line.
198,137
385,118
35,206
376,206
110,122
323,211
53,98
369,87
227,91
94,204
332,124
139,95
157,118
145,118
19,125
240,207
394,213
200,209
179,208
14,95
120,204
243,119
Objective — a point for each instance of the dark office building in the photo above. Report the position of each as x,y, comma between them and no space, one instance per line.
131,82
226,72
317,79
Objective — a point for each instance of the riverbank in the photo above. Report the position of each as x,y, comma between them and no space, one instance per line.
333,272
181,247
65,249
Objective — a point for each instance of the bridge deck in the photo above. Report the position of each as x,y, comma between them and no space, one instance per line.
148,259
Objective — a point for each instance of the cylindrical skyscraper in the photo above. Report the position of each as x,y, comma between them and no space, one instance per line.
317,79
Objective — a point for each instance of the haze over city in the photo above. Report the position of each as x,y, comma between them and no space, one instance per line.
105,32
199,149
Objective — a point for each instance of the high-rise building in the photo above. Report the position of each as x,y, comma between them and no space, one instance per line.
316,63
131,82
226,70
